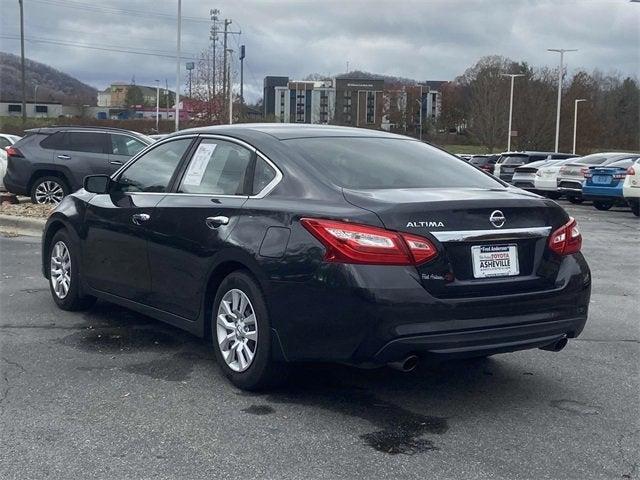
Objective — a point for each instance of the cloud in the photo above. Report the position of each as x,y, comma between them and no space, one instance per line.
425,40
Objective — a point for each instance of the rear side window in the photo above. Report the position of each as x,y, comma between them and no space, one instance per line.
125,145
53,142
152,172
218,168
383,163
4,142
88,142
262,176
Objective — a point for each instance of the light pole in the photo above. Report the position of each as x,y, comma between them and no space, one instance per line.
229,52
562,52
420,103
575,120
157,106
513,76
23,80
178,67
35,100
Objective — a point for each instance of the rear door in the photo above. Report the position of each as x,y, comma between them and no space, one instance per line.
82,153
117,224
192,224
121,148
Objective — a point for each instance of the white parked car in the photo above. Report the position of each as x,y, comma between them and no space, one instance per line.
631,187
546,179
524,177
6,140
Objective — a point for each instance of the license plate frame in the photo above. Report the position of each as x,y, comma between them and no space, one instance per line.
495,261
602,179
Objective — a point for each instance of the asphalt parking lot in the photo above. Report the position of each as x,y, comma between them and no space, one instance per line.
109,393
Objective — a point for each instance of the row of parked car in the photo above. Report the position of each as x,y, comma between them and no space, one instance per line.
606,179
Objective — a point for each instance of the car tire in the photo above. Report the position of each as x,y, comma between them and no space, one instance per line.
553,195
600,205
64,274
244,358
576,200
48,190
635,207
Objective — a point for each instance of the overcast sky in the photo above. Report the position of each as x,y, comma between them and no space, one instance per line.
425,40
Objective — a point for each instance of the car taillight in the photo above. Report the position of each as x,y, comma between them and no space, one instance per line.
588,175
566,239
13,152
619,176
631,171
353,243
584,171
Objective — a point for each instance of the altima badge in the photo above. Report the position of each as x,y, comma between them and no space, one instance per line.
497,219
425,224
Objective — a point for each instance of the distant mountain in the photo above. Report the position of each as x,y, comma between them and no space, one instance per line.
53,85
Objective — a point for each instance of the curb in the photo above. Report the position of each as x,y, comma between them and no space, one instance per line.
22,225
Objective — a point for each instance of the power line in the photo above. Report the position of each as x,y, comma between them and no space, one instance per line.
117,11
105,48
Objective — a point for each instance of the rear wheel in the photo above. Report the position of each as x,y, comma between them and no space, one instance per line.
576,200
49,190
241,334
64,274
602,205
635,208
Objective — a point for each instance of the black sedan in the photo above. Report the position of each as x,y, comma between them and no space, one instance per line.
291,243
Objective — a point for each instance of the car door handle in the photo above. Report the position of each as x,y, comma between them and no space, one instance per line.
140,218
115,162
64,157
215,222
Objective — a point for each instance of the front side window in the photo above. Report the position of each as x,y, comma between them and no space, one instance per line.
88,142
152,172
217,168
125,145
382,163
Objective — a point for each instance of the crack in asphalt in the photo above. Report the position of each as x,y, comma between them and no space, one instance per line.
5,391
633,466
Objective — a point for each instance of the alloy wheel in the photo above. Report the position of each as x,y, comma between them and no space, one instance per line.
49,192
60,269
237,330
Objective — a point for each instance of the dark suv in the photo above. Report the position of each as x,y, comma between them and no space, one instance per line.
49,163
509,161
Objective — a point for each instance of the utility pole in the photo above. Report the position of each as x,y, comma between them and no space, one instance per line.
157,106
230,52
178,67
575,120
213,36
562,52
35,100
420,103
513,76
24,81
166,98
242,51
227,22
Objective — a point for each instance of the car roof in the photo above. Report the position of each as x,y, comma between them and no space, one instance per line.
286,131
54,129
609,156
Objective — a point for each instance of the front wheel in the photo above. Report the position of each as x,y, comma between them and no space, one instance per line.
241,334
601,205
64,274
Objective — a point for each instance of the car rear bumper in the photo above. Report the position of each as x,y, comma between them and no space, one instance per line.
594,193
13,186
570,186
373,315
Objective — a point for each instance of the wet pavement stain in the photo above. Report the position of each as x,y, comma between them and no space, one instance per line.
169,369
258,410
122,340
578,408
398,430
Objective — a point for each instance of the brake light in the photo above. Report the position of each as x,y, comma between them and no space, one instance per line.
353,243
13,152
566,239
631,171
619,176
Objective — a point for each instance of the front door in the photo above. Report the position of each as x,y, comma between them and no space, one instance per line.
115,259
82,153
192,225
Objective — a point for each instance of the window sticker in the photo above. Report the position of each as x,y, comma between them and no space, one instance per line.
199,164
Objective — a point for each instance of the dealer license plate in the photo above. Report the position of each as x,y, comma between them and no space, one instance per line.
495,260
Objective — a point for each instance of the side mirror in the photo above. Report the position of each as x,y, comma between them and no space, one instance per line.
97,183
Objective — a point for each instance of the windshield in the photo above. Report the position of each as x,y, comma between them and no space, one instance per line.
363,163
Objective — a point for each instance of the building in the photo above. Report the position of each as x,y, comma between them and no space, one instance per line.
359,101
269,94
432,99
39,109
115,95
305,102
104,97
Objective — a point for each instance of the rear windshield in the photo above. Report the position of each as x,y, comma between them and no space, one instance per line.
622,163
514,160
363,163
482,161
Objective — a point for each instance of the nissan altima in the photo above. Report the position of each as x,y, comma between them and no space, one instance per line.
292,243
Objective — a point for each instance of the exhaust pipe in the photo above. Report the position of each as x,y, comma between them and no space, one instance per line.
406,365
556,346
